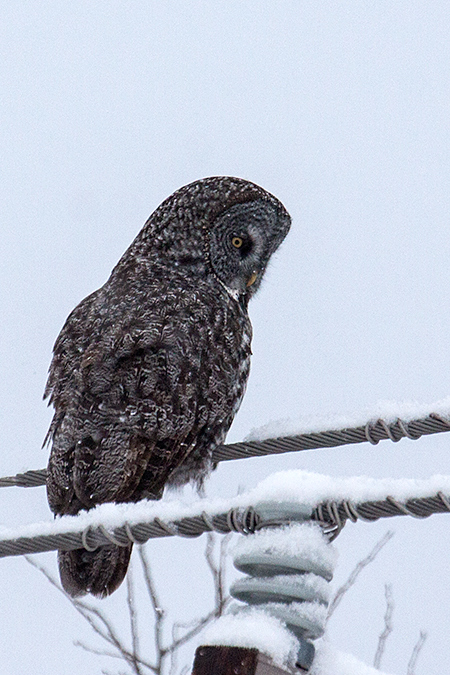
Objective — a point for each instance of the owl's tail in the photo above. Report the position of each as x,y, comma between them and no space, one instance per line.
98,572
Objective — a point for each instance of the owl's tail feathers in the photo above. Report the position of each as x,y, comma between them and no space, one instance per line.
98,572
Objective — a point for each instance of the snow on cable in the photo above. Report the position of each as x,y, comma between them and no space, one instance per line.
387,420
281,498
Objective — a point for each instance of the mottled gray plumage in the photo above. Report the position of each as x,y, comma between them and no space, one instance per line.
149,371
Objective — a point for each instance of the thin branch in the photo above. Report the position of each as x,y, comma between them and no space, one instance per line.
102,626
415,653
198,627
174,655
221,599
133,623
159,612
88,612
151,588
357,571
110,636
222,571
388,627
81,607
213,568
98,652
217,569
218,574
31,561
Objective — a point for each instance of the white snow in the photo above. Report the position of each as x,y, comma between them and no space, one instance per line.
306,583
389,411
254,628
311,616
298,540
329,661
302,487
301,545
299,488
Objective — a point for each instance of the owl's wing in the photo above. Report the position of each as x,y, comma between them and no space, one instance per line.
127,410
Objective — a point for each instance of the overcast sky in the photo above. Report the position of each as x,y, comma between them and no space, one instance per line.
341,109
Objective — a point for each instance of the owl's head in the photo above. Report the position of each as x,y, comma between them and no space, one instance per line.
242,240
222,226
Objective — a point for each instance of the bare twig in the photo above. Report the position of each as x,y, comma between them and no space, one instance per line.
82,608
199,625
133,623
103,628
217,569
415,653
224,542
111,636
388,627
86,611
32,561
174,655
357,571
159,612
214,569
98,652
221,599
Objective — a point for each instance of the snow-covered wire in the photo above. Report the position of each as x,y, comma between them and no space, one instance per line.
372,431
264,506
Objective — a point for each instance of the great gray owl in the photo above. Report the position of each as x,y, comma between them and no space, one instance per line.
149,371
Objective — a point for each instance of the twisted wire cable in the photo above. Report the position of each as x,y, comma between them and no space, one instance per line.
372,432
330,515
31,478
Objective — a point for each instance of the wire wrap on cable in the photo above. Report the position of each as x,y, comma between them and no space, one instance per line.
330,515
372,432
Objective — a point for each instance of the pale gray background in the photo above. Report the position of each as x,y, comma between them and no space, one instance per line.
341,109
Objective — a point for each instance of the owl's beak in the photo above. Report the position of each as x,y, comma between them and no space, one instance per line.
252,279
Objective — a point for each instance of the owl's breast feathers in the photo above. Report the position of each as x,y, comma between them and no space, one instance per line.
144,386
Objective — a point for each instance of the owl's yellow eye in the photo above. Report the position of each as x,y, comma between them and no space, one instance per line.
237,242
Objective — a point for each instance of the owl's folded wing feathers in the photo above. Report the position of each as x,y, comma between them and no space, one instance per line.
126,411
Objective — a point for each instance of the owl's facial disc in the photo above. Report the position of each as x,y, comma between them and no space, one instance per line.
242,239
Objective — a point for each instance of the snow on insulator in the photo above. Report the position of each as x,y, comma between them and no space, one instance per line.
288,572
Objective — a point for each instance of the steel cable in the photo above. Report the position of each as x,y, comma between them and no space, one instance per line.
373,432
330,515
